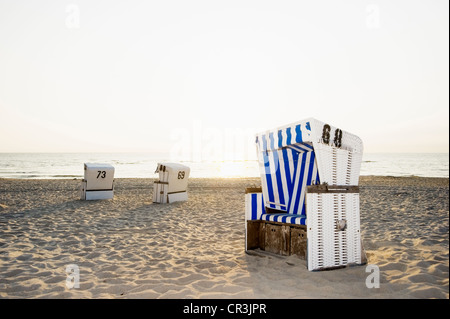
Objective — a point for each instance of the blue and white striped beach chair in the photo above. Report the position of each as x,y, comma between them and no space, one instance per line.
292,158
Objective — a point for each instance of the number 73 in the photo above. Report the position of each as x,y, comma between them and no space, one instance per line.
101,174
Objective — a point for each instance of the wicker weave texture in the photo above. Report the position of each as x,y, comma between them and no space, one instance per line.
338,166
328,245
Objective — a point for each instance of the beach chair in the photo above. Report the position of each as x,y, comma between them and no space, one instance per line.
98,182
308,204
172,184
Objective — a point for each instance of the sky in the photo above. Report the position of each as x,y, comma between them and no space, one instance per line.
184,76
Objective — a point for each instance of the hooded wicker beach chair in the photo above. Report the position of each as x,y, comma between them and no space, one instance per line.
98,182
172,184
308,204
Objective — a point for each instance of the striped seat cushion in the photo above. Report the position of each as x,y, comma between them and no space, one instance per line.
285,218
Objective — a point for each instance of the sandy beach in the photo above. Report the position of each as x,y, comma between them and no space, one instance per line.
129,247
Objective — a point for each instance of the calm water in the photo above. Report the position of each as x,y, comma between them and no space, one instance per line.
70,165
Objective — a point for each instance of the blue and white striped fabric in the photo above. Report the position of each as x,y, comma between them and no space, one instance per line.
285,218
254,206
255,210
298,133
287,172
304,147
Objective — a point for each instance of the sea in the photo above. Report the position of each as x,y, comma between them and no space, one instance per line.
143,165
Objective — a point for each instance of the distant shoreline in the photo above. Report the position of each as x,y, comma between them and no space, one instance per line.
363,179
138,165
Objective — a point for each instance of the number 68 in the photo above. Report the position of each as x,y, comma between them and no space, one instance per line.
337,136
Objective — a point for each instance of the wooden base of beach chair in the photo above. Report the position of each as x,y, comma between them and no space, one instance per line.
280,239
277,238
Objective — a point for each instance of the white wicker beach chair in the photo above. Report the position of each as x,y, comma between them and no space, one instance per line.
291,159
98,182
172,184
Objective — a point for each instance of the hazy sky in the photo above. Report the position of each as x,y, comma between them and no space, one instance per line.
113,76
